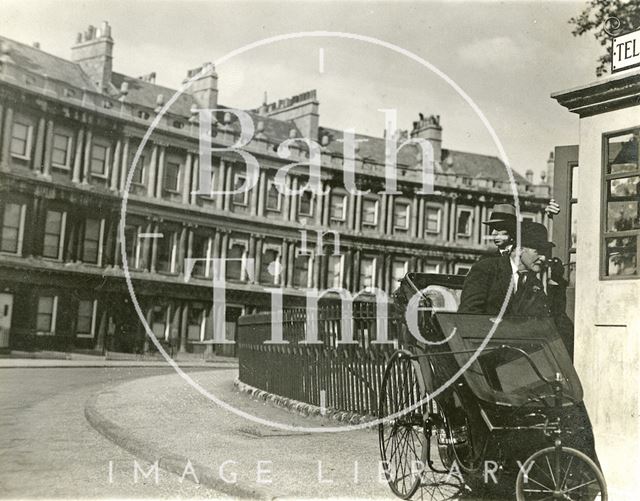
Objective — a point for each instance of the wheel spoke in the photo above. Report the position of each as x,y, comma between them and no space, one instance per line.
566,473
581,485
551,471
541,485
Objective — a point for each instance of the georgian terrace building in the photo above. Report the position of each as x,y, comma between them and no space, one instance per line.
69,132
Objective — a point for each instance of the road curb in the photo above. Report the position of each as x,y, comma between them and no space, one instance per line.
303,408
167,460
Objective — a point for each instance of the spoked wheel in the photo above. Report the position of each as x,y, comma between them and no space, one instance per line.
401,438
571,475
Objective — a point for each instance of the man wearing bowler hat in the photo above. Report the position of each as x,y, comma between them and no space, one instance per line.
488,281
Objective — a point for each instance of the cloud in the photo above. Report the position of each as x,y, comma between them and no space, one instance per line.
493,52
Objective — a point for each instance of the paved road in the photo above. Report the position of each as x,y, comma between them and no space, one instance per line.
48,449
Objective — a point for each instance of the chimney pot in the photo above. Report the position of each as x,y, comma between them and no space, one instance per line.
36,45
529,176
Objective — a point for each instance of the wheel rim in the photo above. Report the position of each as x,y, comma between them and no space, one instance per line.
577,478
401,439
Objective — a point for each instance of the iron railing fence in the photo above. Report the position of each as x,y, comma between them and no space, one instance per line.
328,373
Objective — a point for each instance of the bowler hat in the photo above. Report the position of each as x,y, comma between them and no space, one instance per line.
502,213
534,236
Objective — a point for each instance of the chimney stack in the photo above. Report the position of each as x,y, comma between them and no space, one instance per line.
303,110
429,128
204,88
93,51
529,176
550,170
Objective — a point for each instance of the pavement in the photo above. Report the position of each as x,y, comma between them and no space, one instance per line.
164,419
51,359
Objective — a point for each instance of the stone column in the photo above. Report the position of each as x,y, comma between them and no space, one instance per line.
382,213
477,230
286,200
77,161
284,263
327,206
421,218
160,180
291,264
254,195
151,176
194,180
348,271
87,157
390,207
216,244
228,180
125,164
224,245
251,252
220,184
186,179
293,205
6,138
320,203
154,250
183,327
413,224
181,250
358,224
445,220
38,158
262,189
356,271
452,220
48,149
115,171
258,261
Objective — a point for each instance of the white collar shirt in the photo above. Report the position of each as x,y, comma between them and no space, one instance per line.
514,271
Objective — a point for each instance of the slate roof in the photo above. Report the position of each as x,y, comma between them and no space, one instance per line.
40,62
145,94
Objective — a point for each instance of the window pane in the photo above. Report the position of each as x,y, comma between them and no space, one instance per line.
464,223
305,204
53,229
85,315
301,271
399,271
98,159
622,216
158,322
401,216
338,203
200,248
273,197
234,268
369,212
165,249
171,176
19,139
139,170
194,323
624,187
432,220
366,272
334,278
91,240
269,256
45,314
60,154
10,228
239,198
623,153
621,256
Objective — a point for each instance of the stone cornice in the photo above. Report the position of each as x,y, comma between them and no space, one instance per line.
620,91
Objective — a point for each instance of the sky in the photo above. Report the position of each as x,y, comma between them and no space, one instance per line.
508,57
